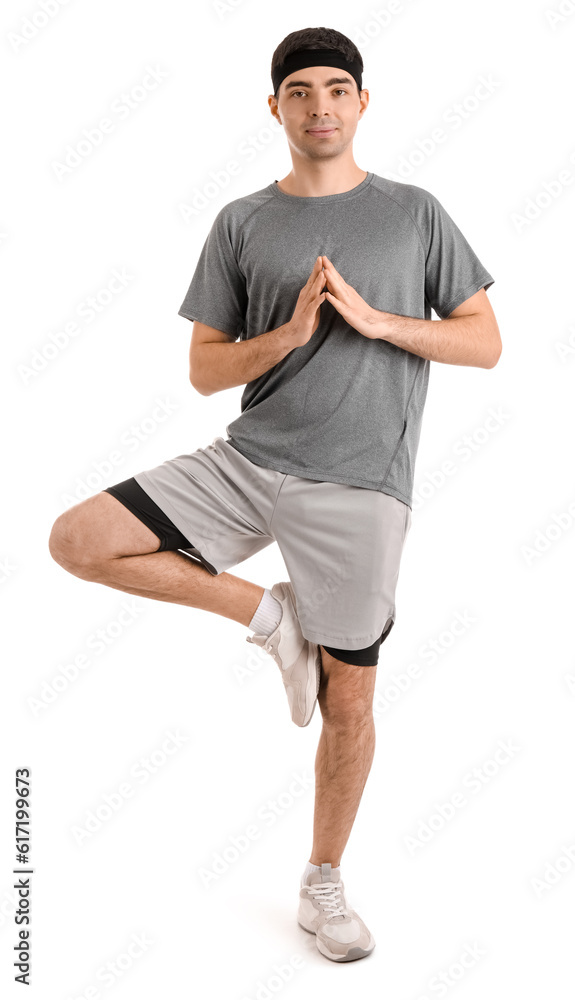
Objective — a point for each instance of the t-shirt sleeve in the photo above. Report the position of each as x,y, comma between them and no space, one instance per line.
217,293
453,271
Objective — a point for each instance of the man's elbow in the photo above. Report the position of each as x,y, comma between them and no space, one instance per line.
495,355
203,391
494,361
195,375
496,348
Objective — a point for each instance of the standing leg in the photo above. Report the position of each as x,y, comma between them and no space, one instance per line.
344,755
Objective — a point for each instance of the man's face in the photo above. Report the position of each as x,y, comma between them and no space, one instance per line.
319,97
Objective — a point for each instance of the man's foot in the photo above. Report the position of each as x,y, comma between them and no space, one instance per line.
340,933
298,659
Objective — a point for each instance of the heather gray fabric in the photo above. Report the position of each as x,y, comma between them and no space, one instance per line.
342,546
342,408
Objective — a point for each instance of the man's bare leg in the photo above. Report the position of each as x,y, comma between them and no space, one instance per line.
101,540
344,754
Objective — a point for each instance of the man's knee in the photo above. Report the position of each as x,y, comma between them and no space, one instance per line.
69,545
80,539
348,715
346,692
85,538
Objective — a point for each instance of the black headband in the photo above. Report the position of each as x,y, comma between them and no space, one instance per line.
315,57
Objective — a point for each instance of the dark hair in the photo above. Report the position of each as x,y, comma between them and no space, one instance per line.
316,38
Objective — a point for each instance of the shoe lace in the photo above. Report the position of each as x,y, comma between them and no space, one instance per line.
329,896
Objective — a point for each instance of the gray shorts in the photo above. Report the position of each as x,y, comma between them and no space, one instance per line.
341,544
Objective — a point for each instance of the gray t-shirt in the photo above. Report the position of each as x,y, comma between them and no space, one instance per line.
342,408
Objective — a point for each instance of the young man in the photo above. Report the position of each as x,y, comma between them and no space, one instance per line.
315,292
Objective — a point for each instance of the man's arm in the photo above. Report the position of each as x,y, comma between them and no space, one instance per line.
215,365
217,362
469,336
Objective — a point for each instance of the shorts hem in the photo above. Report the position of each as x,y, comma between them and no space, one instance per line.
344,641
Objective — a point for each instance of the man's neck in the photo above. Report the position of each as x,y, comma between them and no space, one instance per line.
317,187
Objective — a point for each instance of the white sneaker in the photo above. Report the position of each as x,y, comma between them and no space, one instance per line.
298,659
340,932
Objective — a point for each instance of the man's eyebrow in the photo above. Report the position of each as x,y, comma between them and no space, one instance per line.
328,83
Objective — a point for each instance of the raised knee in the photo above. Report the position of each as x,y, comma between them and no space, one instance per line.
68,547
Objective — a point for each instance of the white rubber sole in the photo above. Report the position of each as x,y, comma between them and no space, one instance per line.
352,955
313,684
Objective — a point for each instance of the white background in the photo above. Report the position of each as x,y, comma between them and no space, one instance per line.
493,541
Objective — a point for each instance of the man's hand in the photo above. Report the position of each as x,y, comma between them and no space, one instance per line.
305,319
350,304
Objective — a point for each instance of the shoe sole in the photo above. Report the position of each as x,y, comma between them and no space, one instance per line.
352,955
317,666
290,597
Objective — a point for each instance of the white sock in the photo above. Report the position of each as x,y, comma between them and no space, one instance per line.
317,868
268,615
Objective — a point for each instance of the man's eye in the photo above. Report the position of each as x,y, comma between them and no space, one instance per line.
338,91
